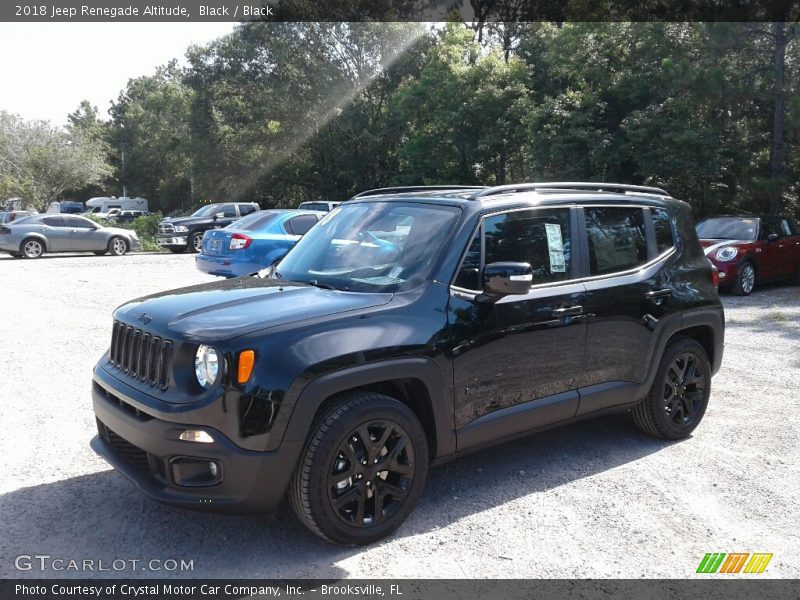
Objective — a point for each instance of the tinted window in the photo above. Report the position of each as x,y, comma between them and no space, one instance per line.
769,226
54,221
78,222
313,206
538,237
228,210
616,239
469,274
246,209
786,227
663,228
300,225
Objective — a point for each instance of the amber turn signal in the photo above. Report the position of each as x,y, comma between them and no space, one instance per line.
246,360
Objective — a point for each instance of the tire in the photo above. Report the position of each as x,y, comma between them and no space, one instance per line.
31,248
117,246
337,464
673,408
745,279
178,250
196,242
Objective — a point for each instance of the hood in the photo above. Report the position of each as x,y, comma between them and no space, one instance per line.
188,220
227,309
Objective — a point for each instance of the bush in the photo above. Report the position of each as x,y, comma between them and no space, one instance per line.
145,228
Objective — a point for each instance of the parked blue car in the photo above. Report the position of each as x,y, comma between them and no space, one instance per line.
253,242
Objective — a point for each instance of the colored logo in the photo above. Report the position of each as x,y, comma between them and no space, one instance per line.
734,562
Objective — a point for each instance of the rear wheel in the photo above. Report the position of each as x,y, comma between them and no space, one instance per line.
196,242
362,471
117,246
679,395
745,280
31,248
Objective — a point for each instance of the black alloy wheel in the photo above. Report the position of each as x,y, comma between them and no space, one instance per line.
371,474
678,397
684,389
362,470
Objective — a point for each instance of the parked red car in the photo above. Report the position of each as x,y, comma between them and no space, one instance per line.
751,249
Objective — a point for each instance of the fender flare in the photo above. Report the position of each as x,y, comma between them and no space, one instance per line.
37,236
313,395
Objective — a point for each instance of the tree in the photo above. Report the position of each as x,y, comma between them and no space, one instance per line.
39,162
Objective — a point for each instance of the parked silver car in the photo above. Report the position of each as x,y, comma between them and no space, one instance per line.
32,236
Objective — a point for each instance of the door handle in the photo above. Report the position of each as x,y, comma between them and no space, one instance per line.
658,294
567,311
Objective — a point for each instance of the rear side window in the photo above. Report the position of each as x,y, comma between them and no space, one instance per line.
663,228
786,227
300,225
617,239
246,209
539,237
54,221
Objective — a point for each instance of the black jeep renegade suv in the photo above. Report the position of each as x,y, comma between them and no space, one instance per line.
405,328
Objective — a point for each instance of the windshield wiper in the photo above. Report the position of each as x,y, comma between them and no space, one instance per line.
327,286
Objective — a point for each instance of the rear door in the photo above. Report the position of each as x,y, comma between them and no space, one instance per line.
627,294
792,241
57,234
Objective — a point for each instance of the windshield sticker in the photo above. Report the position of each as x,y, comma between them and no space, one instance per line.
395,272
556,246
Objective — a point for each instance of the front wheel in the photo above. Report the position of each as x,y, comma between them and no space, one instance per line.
362,471
196,242
679,395
117,246
745,280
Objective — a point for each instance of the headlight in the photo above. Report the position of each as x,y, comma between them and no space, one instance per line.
181,229
726,253
206,365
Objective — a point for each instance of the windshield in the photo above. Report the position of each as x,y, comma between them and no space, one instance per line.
728,228
254,221
371,247
207,211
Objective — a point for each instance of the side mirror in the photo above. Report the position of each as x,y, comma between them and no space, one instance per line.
772,237
505,279
219,215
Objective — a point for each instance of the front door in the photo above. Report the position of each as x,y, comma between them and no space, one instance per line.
83,235
521,353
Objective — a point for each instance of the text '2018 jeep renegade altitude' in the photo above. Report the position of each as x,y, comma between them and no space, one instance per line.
405,328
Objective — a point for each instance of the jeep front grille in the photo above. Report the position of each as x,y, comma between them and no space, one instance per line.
141,355
166,228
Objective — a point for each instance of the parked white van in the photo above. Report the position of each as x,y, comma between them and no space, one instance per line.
103,206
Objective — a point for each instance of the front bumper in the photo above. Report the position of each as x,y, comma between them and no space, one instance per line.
727,272
224,266
144,449
172,240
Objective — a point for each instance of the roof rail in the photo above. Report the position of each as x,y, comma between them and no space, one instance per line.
570,186
416,188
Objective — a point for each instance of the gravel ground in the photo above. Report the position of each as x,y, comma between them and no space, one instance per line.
595,499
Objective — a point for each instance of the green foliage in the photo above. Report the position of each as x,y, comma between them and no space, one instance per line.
38,162
145,227
279,113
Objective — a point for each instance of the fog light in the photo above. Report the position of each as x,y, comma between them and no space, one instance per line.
722,275
188,471
192,435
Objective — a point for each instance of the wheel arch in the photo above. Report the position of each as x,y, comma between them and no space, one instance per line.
36,236
416,382
706,326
